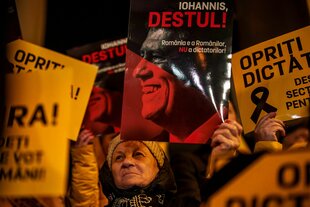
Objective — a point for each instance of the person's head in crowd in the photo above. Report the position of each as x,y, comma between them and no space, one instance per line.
133,167
146,157
176,87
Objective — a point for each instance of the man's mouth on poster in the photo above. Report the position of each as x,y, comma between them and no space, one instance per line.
146,89
154,98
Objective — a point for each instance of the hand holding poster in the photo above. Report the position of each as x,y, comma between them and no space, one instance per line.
273,76
34,145
177,78
25,57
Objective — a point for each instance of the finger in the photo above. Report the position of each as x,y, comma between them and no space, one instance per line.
235,126
229,128
84,135
267,124
88,140
223,143
83,132
265,118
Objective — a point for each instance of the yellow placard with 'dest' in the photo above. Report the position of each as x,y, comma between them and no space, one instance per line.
25,57
34,145
273,76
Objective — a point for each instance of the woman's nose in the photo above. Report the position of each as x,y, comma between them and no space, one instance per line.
128,161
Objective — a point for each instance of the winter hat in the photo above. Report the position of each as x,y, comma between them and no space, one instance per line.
153,146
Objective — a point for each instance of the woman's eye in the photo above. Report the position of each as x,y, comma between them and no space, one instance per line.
139,154
118,158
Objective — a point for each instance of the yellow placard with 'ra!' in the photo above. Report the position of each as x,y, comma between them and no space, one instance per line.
25,57
34,145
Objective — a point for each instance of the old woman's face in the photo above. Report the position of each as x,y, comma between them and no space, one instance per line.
133,165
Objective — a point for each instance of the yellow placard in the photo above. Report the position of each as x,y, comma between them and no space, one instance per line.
279,179
25,57
34,147
273,76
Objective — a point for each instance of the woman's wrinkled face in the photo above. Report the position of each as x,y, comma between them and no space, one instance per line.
133,165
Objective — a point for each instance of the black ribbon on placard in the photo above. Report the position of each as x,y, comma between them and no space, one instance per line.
261,103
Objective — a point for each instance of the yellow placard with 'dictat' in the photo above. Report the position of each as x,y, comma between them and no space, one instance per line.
273,76
34,145
25,57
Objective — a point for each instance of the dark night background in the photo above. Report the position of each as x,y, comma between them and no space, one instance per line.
73,23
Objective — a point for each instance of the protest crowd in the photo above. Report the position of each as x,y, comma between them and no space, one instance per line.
196,139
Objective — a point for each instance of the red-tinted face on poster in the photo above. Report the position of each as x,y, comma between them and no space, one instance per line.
177,72
172,85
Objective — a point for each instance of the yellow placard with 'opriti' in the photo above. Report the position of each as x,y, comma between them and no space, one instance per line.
25,57
273,76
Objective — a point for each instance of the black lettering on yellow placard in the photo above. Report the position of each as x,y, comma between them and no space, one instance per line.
75,92
271,53
26,173
22,116
281,65
26,161
14,142
300,95
27,61
28,157
290,176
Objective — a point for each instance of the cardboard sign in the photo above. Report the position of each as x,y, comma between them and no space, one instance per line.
278,179
273,76
34,145
25,57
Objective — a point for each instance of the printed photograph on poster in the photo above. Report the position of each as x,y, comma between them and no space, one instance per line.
177,77
107,55
103,113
